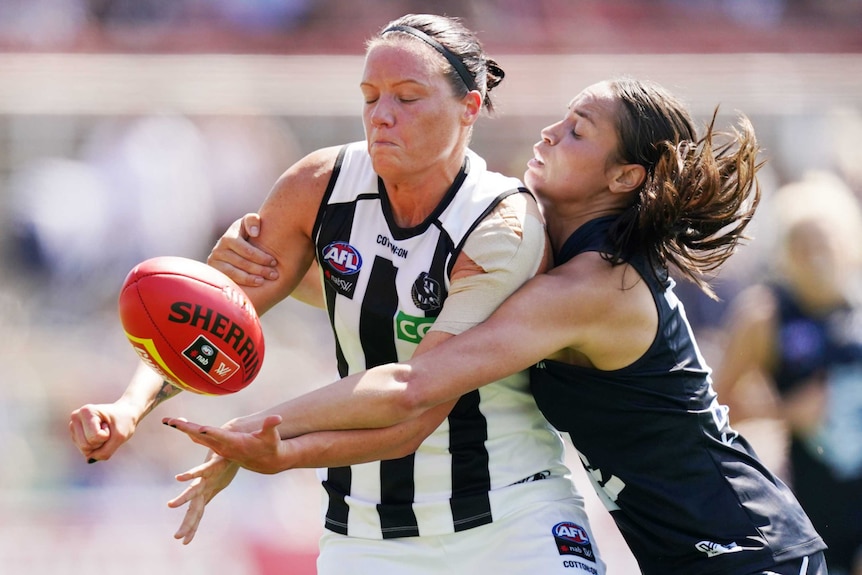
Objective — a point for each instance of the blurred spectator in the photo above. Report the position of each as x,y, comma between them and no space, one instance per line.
79,225
245,155
42,23
139,11
256,15
158,172
60,225
798,336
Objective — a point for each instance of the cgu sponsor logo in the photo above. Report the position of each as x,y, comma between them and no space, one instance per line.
221,327
411,328
342,258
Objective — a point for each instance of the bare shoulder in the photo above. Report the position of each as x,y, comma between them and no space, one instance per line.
590,272
299,190
310,172
583,290
610,309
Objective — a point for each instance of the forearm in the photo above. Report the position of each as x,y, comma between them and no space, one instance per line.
378,398
392,394
342,448
146,391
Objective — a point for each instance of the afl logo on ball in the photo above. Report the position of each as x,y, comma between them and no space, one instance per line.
572,539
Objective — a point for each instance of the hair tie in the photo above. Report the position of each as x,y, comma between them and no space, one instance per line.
456,62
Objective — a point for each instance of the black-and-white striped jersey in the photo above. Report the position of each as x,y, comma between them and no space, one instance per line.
686,491
384,286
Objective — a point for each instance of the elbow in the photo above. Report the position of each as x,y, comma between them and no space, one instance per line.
414,435
408,447
411,399
394,393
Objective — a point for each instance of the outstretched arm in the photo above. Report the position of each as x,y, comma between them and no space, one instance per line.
582,307
264,451
98,430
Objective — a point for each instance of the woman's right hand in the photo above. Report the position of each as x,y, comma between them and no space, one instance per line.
99,430
205,482
235,256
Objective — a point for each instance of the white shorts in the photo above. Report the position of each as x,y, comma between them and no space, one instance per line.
547,537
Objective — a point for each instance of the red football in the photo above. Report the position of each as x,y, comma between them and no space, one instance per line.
192,324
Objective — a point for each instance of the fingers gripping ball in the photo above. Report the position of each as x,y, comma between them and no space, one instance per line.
192,324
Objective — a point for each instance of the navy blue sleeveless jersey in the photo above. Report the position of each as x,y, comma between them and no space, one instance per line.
688,493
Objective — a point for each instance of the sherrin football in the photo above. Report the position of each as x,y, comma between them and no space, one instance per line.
192,324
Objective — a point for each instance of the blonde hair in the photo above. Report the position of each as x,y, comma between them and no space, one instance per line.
820,197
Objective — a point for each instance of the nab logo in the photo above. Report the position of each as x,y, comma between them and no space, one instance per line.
342,257
207,357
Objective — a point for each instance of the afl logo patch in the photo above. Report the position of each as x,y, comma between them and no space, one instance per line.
572,539
342,263
342,258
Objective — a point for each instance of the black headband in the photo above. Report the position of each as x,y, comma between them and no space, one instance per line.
456,62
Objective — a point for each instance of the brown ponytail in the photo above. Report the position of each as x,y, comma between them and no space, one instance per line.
699,194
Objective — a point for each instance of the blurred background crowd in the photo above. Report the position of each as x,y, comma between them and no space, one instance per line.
136,128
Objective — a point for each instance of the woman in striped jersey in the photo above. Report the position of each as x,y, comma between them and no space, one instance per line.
630,192
416,241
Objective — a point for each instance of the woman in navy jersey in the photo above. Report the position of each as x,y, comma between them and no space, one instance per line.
630,193
799,331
